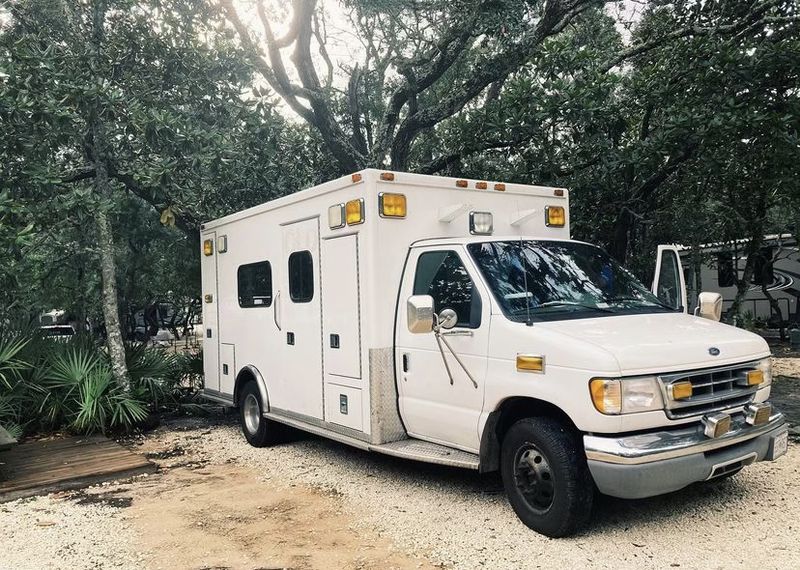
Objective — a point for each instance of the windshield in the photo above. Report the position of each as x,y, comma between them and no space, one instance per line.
552,280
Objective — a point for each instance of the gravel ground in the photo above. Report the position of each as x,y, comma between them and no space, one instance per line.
50,532
454,518
462,520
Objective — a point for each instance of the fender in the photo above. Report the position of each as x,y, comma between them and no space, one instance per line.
251,370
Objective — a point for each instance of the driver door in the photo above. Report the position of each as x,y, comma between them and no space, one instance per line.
669,284
437,405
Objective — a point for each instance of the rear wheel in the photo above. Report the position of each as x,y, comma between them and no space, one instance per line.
258,430
546,477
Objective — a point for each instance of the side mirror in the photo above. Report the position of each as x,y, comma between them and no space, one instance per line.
419,309
448,319
709,306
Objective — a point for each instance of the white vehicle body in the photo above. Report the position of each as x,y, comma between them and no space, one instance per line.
334,353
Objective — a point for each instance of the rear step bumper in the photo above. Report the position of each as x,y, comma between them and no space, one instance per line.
651,464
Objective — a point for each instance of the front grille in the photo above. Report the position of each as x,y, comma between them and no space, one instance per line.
713,389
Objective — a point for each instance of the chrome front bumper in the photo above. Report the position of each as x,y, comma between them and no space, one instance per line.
644,465
661,445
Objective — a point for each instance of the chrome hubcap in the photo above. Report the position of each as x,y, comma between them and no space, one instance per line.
252,413
533,478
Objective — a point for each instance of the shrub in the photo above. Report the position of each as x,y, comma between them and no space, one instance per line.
46,384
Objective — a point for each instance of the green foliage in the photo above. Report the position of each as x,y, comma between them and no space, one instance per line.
49,385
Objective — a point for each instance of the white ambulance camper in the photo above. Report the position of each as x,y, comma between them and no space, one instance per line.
455,322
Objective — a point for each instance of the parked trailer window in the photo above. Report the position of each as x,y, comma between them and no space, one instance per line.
301,277
442,275
255,284
726,273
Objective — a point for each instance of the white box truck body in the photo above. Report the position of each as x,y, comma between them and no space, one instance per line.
455,322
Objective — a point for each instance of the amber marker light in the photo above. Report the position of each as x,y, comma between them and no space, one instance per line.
606,395
555,217
354,212
754,377
391,205
681,390
387,176
529,363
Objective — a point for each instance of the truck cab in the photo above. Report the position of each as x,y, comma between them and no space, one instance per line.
457,322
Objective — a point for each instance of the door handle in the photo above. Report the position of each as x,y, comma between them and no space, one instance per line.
406,362
275,309
457,332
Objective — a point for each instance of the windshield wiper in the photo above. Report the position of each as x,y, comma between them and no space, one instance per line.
572,304
657,302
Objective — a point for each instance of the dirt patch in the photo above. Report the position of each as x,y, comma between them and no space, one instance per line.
224,516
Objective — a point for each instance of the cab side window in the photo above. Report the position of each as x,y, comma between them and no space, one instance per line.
442,275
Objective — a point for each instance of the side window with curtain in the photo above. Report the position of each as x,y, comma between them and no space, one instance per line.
442,275
254,282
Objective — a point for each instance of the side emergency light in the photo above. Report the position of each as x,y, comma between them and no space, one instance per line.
555,217
481,223
208,247
336,216
354,212
391,205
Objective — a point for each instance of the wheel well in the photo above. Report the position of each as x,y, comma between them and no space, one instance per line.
506,414
245,376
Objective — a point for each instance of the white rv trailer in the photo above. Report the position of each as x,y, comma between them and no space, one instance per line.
777,263
455,322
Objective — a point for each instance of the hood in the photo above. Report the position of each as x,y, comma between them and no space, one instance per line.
663,342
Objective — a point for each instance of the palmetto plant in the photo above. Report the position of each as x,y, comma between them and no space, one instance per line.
46,385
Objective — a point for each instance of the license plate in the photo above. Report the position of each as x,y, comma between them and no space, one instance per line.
780,443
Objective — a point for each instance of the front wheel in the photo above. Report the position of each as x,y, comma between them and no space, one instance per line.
546,477
258,430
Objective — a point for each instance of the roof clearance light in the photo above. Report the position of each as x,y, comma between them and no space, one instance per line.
336,216
391,205
387,176
558,192
356,177
354,212
208,247
481,185
500,187
481,223
462,183
554,217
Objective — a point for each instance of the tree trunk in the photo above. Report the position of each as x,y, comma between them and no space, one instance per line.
104,199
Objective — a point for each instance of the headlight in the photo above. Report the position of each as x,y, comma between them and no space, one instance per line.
626,396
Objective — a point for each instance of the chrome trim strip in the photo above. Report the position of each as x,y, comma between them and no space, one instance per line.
657,446
218,397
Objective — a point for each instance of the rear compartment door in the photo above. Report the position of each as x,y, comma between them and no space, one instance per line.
208,270
300,318
669,284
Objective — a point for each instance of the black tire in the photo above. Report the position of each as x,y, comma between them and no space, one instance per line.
258,430
546,477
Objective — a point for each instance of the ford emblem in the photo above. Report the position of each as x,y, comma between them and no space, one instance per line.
713,351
